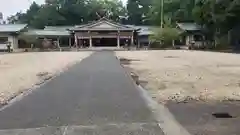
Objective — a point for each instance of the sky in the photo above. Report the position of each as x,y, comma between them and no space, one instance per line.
10,7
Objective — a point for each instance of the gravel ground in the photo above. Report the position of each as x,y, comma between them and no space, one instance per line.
21,71
179,75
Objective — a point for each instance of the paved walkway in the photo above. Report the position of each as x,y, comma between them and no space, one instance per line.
94,97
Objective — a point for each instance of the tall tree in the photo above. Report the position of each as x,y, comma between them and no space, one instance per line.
138,11
75,11
69,12
47,15
115,9
25,17
173,11
215,15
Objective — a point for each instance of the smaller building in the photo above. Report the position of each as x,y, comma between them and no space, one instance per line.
9,35
144,32
62,37
192,34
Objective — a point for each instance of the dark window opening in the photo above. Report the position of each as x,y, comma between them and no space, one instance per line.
198,38
3,40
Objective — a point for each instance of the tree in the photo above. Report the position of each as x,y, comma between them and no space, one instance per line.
164,37
115,9
155,12
78,11
138,11
47,15
216,16
69,12
15,18
31,12
25,17
173,11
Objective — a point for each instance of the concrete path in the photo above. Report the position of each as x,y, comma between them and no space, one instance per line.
95,97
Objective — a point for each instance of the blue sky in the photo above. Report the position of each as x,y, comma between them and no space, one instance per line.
9,7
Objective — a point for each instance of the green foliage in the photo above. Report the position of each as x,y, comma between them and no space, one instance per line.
221,43
165,37
47,15
69,12
173,11
138,11
25,17
218,16
155,12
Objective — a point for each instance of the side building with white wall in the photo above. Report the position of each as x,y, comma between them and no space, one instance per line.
9,35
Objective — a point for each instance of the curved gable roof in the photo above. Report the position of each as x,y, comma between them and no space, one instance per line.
103,24
189,26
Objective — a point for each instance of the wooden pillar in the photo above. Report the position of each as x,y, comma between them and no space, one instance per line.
90,39
70,42
58,43
76,41
118,40
138,43
90,42
81,42
132,38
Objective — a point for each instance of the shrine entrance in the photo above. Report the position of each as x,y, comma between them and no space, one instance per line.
106,42
104,33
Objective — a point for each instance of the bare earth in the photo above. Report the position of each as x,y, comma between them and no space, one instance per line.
178,75
19,72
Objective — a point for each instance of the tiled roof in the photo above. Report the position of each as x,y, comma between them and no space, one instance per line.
58,28
144,30
105,24
12,27
47,33
189,26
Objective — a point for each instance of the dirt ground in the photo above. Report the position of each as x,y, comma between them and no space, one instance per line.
180,75
21,71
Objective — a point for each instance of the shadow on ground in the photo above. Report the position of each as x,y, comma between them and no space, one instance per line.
199,118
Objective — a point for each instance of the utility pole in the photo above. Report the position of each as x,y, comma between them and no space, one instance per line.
162,3
161,29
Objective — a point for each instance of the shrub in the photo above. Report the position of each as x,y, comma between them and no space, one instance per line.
222,43
163,38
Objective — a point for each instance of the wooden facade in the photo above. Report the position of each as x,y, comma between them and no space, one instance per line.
102,32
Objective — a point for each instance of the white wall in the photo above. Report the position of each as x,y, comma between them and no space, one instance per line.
14,42
12,39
